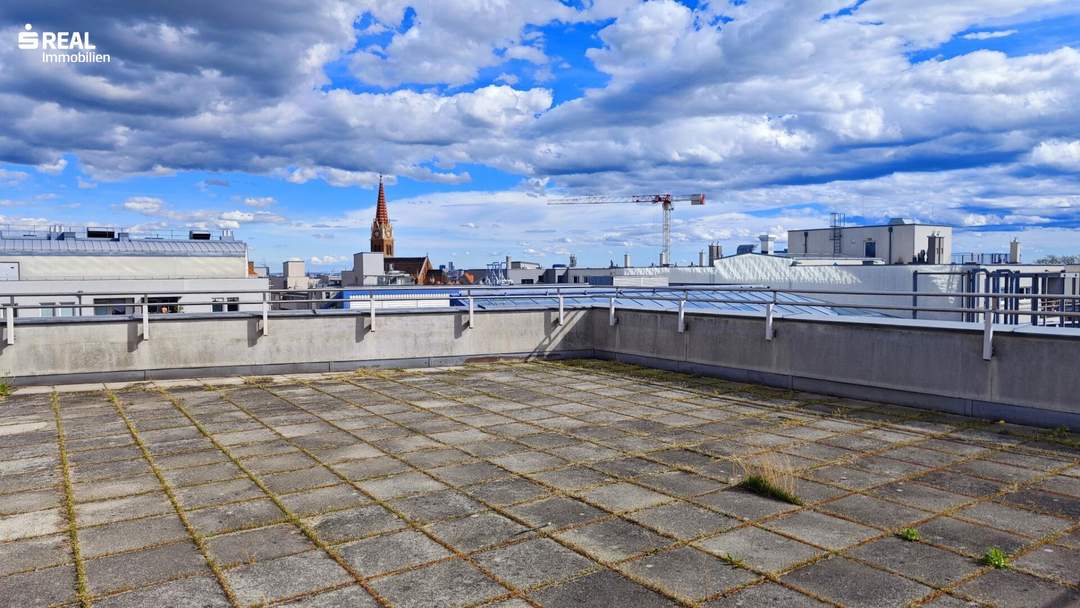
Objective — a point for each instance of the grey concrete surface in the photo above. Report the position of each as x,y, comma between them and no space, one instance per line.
584,483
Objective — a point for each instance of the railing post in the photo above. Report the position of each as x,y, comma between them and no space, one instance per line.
146,318
562,311
611,312
914,294
472,310
770,308
988,330
371,310
769,321
682,316
9,318
265,314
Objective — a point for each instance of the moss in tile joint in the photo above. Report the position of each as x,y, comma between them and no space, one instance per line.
196,537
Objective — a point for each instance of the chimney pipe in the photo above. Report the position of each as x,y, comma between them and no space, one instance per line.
715,253
626,260
767,241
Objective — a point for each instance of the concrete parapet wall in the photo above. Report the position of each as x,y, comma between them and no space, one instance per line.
101,349
1031,378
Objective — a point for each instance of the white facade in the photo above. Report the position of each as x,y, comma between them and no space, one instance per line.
101,267
79,272
894,243
125,296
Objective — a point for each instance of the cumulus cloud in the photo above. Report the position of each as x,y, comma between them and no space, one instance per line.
1058,154
54,167
450,42
988,35
328,260
146,205
10,178
200,218
259,202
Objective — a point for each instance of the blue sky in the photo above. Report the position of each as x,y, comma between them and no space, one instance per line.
963,113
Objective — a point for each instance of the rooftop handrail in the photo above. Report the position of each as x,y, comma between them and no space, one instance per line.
535,291
568,295
139,307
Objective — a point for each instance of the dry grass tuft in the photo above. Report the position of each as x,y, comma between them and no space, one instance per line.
768,475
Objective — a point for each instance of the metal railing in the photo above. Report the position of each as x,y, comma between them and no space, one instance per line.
988,308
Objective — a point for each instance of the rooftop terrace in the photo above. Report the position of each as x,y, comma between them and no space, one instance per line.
559,484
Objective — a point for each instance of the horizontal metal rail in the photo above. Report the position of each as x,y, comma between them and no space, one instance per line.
538,291
758,299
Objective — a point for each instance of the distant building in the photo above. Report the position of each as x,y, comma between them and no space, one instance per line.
416,267
898,242
293,276
112,273
382,233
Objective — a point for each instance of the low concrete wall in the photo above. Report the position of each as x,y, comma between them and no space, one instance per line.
935,365
932,365
101,349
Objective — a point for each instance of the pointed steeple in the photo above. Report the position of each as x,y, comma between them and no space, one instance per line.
382,216
382,233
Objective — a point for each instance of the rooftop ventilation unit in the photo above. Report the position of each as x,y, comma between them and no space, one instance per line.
100,233
199,235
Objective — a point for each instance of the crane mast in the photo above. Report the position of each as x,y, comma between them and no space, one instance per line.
666,202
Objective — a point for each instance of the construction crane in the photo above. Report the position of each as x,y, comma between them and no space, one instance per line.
666,202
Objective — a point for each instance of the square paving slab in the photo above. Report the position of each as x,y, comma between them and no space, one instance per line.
580,483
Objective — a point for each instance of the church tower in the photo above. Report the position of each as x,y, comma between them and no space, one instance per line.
382,233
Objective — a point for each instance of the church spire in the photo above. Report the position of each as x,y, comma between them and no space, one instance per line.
382,233
382,216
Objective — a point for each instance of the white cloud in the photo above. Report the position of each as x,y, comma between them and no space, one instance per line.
1059,154
988,35
53,168
450,42
10,178
199,218
328,260
146,205
259,202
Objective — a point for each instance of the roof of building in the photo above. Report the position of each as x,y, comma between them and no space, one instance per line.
410,265
663,299
36,245
699,300
874,226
